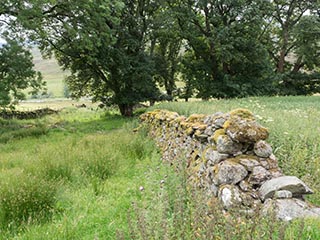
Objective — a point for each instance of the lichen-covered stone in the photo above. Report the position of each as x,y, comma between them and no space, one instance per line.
245,131
217,134
249,162
245,186
242,113
229,172
196,118
282,194
225,145
289,183
219,119
209,131
229,196
262,149
259,175
289,209
213,157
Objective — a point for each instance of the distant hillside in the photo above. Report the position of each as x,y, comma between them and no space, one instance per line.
51,73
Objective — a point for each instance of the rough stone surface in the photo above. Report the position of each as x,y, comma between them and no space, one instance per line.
282,194
229,172
249,163
244,186
226,155
289,209
259,175
289,183
244,130
214,157
227,146
229,196
262,149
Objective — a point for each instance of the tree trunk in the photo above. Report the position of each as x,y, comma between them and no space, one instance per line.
283,51
126,110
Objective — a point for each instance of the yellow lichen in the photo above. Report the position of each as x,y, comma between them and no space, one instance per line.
199,126
196,118
217,134
242,113
189,131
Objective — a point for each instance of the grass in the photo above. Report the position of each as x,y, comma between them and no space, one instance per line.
88,176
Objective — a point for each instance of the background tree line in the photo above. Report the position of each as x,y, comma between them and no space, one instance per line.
122,51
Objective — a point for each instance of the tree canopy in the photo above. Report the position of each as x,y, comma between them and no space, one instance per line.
123,51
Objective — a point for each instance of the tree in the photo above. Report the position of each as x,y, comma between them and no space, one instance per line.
16,73
224,55
103,43
165,47
292,37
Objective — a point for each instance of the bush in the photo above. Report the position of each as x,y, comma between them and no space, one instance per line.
25,198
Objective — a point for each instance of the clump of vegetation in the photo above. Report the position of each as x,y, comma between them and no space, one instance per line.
25,198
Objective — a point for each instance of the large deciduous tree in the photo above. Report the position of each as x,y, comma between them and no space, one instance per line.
224,57
103,43
292,37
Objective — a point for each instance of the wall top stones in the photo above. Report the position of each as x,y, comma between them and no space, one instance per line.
226,154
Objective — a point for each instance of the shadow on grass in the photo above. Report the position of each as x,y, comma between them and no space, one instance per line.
104,124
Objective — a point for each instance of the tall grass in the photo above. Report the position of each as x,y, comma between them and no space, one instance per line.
75,182
90,177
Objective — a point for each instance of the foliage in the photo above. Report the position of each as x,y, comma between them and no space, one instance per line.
16,73
103,44
224,57
291,36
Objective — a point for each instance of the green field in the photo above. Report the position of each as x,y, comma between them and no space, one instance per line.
85,174
51,72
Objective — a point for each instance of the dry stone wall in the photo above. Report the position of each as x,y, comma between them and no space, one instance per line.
226,155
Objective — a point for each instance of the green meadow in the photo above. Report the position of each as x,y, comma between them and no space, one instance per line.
86,174
52,74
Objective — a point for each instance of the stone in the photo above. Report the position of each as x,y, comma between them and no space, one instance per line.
219,121
273,162
214,157
262,149
249,163
214,190
259,175
229,172
289,209
229,196
245,186
289,183
209,131
282,194
225,145
245,130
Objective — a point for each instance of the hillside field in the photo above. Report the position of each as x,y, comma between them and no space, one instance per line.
86,174
51,72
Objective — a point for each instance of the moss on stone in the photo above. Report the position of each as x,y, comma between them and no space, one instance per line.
189,131
217,134
245,130
242,113
196,118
